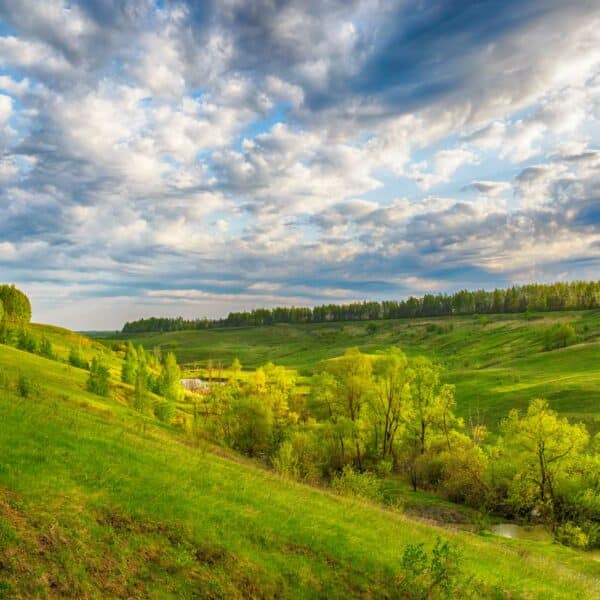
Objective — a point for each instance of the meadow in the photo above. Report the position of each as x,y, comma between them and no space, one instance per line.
98,500
497,362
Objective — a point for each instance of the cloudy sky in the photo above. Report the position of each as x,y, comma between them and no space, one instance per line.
169,157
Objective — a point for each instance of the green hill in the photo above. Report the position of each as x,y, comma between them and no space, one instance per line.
498,362
96,500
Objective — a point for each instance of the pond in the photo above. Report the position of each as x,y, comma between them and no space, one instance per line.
538,533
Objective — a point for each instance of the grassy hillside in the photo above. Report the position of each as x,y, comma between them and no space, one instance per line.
93,504
497,362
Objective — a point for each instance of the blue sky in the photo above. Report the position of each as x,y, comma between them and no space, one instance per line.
192,158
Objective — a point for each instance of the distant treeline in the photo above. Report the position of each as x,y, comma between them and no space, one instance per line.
575,295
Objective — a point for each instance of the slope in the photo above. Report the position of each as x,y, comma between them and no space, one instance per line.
497,362
92,503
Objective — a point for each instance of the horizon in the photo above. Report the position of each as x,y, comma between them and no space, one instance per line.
170,158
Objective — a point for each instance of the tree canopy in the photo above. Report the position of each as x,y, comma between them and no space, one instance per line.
15,305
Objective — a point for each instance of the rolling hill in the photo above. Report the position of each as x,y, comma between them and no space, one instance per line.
497,362
97,500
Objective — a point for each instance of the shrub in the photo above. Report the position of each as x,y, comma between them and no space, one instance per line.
570,534
426,577
5,334
371,328
77,360
559,336
363,485
26,342
164,411
98,379
286,461
26,387
45,348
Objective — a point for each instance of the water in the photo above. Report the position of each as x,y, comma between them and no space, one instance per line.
537,533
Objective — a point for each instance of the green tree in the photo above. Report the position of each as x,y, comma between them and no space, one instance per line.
559,336
129,368
98,380
390,398
353,384
16,305
76,358
45,348
169,381
141,395
27,341
540,447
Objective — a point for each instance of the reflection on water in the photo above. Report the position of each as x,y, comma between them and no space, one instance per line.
522,532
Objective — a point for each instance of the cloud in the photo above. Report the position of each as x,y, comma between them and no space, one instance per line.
207,156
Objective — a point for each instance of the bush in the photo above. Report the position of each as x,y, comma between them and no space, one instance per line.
45,348
164,411
286,461
426,577
570,534
26,387
363,485
559,336
77,360
5,334
26,342
371,328
98,379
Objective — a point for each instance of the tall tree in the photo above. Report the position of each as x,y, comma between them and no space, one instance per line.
540,445
390,398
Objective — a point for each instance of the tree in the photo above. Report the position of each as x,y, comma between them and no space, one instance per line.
27,341
427,407
252,426
559,336
129,368
141,396
169,381
76,359
98,380
16,305
540,446
353,384
389,402
45,348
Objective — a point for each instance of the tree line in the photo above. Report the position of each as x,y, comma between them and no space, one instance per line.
367,418
575,295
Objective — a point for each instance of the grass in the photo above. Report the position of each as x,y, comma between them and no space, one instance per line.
497,362
93,505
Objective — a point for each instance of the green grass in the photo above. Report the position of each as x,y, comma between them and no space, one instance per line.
497,362
92,505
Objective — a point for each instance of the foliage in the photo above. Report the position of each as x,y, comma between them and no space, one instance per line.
570,534
540,447
98,380
45,348
517,299
351,483
27,387
27,342
559,336
426,577
164,410
16,305
169,381
76,358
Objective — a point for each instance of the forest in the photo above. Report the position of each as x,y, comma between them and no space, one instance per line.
576,295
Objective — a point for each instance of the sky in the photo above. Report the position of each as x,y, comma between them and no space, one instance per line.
192,158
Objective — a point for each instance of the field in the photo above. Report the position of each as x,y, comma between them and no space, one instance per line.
96,500
497,362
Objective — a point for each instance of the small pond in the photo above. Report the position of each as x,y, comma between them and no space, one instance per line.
522,532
